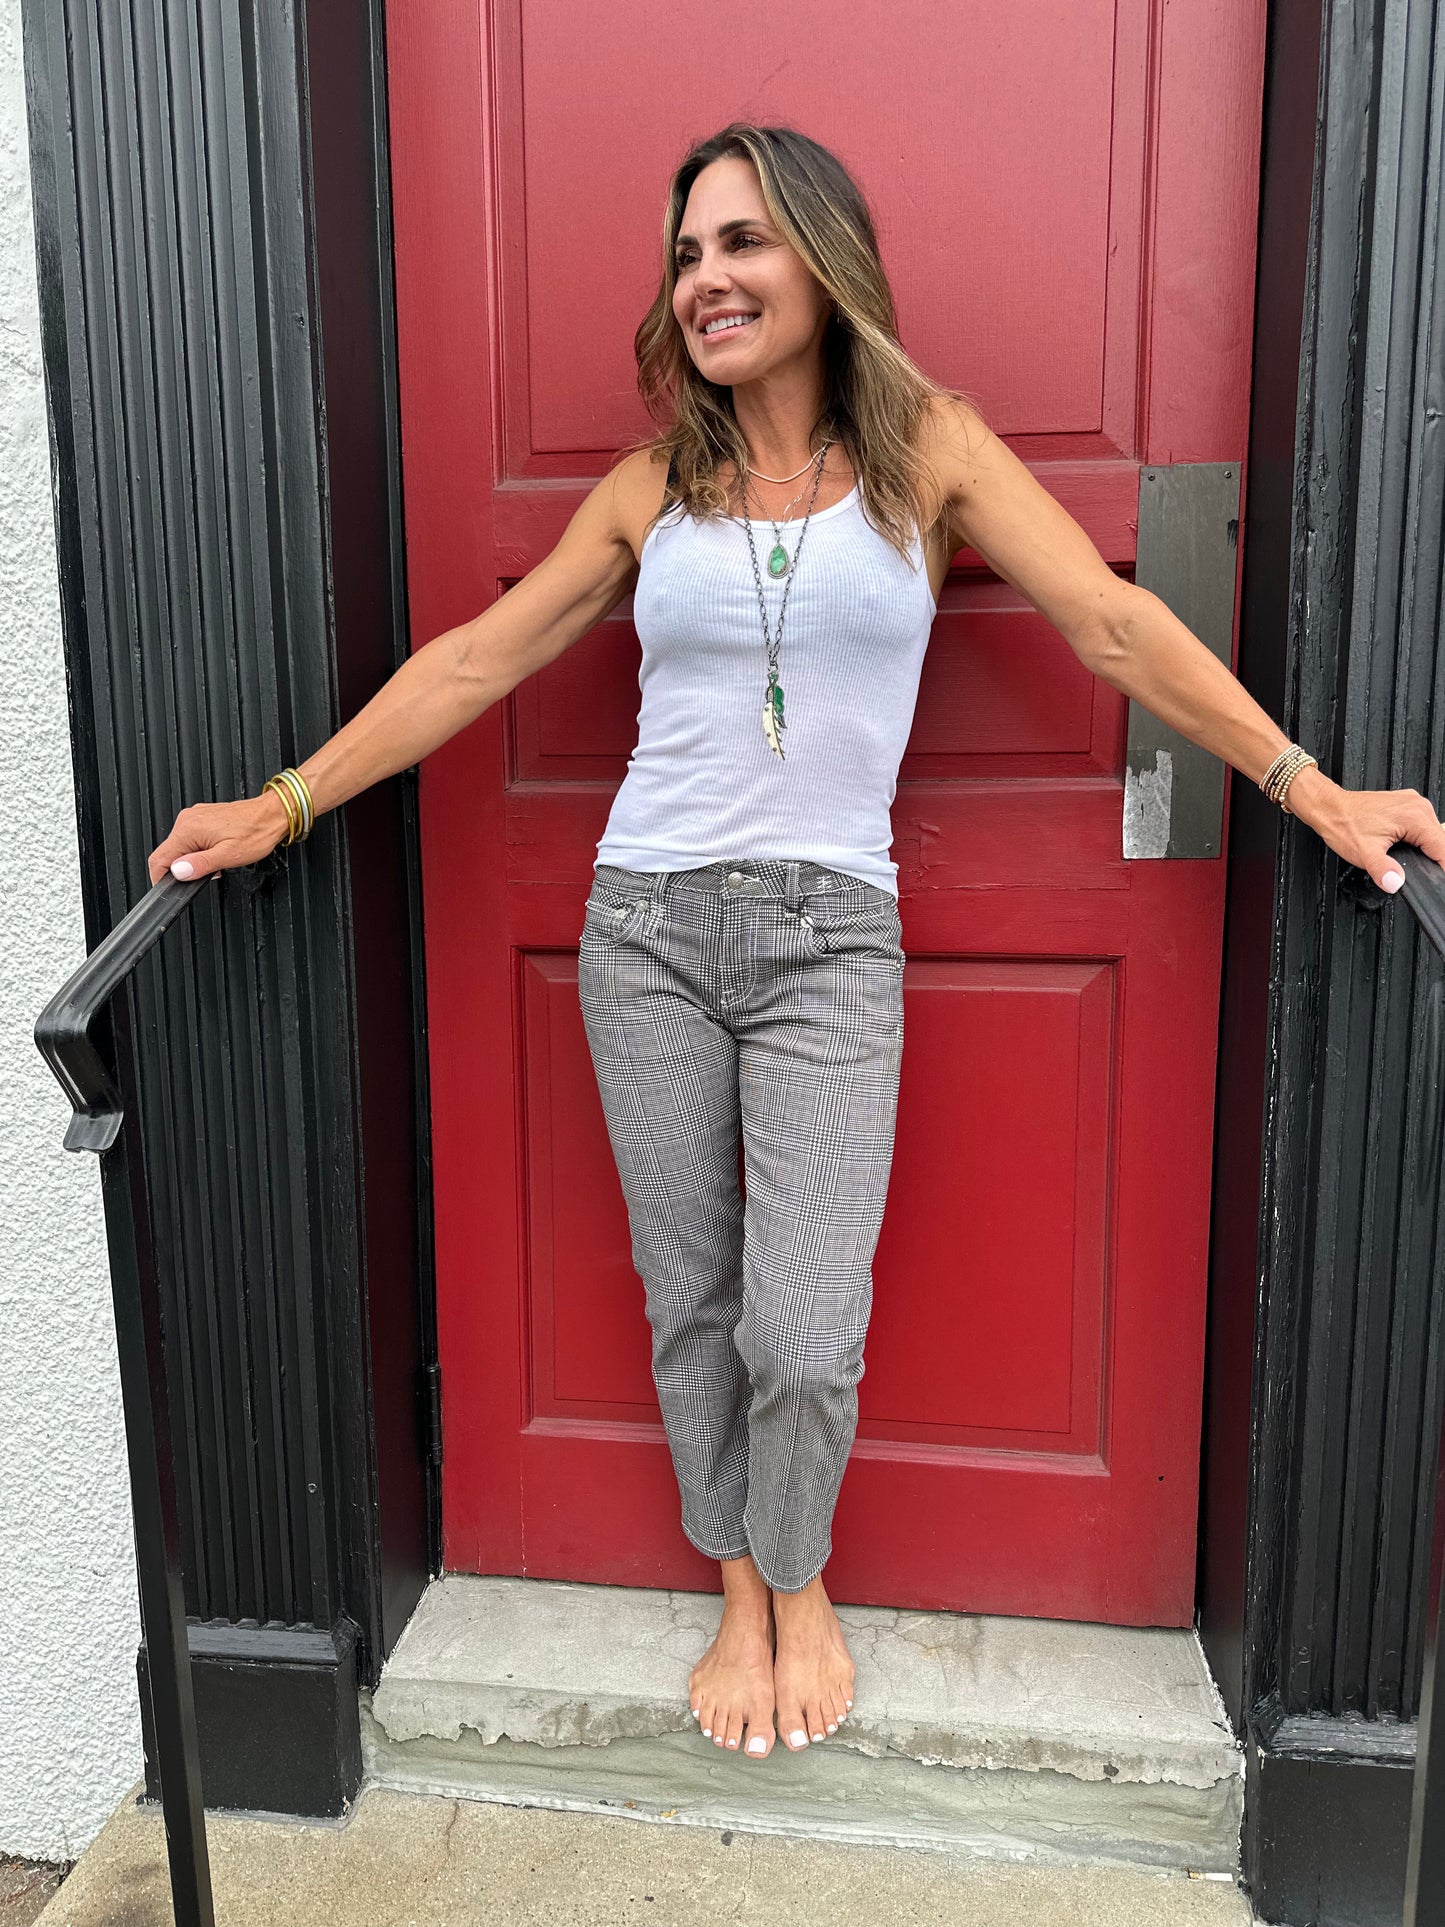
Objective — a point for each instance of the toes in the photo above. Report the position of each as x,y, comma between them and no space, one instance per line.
760,1739
730,1733
791,1727
816,1724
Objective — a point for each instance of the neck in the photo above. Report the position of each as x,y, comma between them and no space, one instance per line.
776,414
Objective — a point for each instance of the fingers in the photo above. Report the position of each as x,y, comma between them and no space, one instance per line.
209,837
1418,824
1375,821
1382,867
204,863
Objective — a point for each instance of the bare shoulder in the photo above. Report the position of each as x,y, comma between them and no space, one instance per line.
957,443
638,485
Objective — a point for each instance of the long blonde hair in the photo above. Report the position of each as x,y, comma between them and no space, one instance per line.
874,396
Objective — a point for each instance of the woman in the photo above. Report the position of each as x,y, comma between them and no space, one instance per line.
740,966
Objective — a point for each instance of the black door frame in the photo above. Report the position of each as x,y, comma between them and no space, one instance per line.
214,250
1323,1375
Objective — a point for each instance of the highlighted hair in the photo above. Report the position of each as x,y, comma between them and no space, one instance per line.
875,398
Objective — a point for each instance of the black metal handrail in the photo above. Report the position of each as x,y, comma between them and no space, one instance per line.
95,1068
1424,892
95,1071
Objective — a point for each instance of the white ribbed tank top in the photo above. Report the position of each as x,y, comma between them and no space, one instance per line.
703,786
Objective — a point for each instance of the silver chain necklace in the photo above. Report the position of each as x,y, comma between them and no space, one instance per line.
778,565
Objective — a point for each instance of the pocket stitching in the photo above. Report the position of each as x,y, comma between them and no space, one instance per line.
820,932
610,927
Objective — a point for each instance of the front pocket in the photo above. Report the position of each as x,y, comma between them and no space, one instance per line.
846,919
612,915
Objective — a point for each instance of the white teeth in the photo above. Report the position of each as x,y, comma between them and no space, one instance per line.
733,321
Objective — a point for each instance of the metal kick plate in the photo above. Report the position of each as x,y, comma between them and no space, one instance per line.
1187,554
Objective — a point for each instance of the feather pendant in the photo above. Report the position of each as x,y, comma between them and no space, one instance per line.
773,718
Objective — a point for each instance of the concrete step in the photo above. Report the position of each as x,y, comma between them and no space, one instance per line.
1028,1739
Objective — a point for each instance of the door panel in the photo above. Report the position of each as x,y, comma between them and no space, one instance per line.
1029,1413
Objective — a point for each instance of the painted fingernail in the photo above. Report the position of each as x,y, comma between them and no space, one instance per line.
1392,880
180,868
758,1745
798,1738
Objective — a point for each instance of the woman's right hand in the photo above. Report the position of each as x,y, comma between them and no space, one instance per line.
220,836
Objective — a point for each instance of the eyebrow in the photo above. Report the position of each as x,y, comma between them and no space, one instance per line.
726,227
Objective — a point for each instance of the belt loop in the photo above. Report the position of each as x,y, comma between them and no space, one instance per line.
792,895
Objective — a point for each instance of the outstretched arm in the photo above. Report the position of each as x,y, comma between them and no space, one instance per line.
1135,642
440,688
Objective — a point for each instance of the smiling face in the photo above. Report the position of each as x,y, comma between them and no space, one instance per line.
732,261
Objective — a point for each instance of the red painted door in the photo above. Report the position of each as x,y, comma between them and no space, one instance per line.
1065,194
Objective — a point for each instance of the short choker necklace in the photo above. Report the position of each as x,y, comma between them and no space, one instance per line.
759,476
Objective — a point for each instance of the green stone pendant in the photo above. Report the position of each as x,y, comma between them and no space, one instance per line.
773,717
778,563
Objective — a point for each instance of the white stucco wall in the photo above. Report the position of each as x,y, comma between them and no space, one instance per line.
69,1624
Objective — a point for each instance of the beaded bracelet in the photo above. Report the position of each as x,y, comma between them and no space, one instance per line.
1282,772
290,786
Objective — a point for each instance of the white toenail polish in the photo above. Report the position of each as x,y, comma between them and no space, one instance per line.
850,1702
798,1738
817,1736
707,1732
832,1727
759,1745
732,1742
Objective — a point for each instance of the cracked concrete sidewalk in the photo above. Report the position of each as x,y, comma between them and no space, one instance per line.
405,1860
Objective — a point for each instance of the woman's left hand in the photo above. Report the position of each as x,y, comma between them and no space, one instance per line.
1360,825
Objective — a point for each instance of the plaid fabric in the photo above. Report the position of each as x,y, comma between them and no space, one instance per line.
763,997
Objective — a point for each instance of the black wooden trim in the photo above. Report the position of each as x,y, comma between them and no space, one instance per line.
1246,1068
279,1716
213,241
1319,1459
351,215
1326,1836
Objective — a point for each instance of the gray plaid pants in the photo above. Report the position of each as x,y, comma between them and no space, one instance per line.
761,996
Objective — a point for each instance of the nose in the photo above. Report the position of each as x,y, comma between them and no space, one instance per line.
712,274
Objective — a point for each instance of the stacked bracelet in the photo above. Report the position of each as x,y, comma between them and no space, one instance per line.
1282,772
290,786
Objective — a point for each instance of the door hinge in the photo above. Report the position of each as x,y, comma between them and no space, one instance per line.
432,1412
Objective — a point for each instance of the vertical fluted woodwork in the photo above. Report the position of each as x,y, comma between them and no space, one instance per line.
1349,1374
204,306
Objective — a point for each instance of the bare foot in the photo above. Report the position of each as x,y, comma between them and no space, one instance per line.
731,1687
812,1668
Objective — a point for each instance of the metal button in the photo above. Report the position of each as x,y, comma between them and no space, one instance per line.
735,879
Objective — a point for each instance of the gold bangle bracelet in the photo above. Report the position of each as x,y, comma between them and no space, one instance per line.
288,803
305,788
296,783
